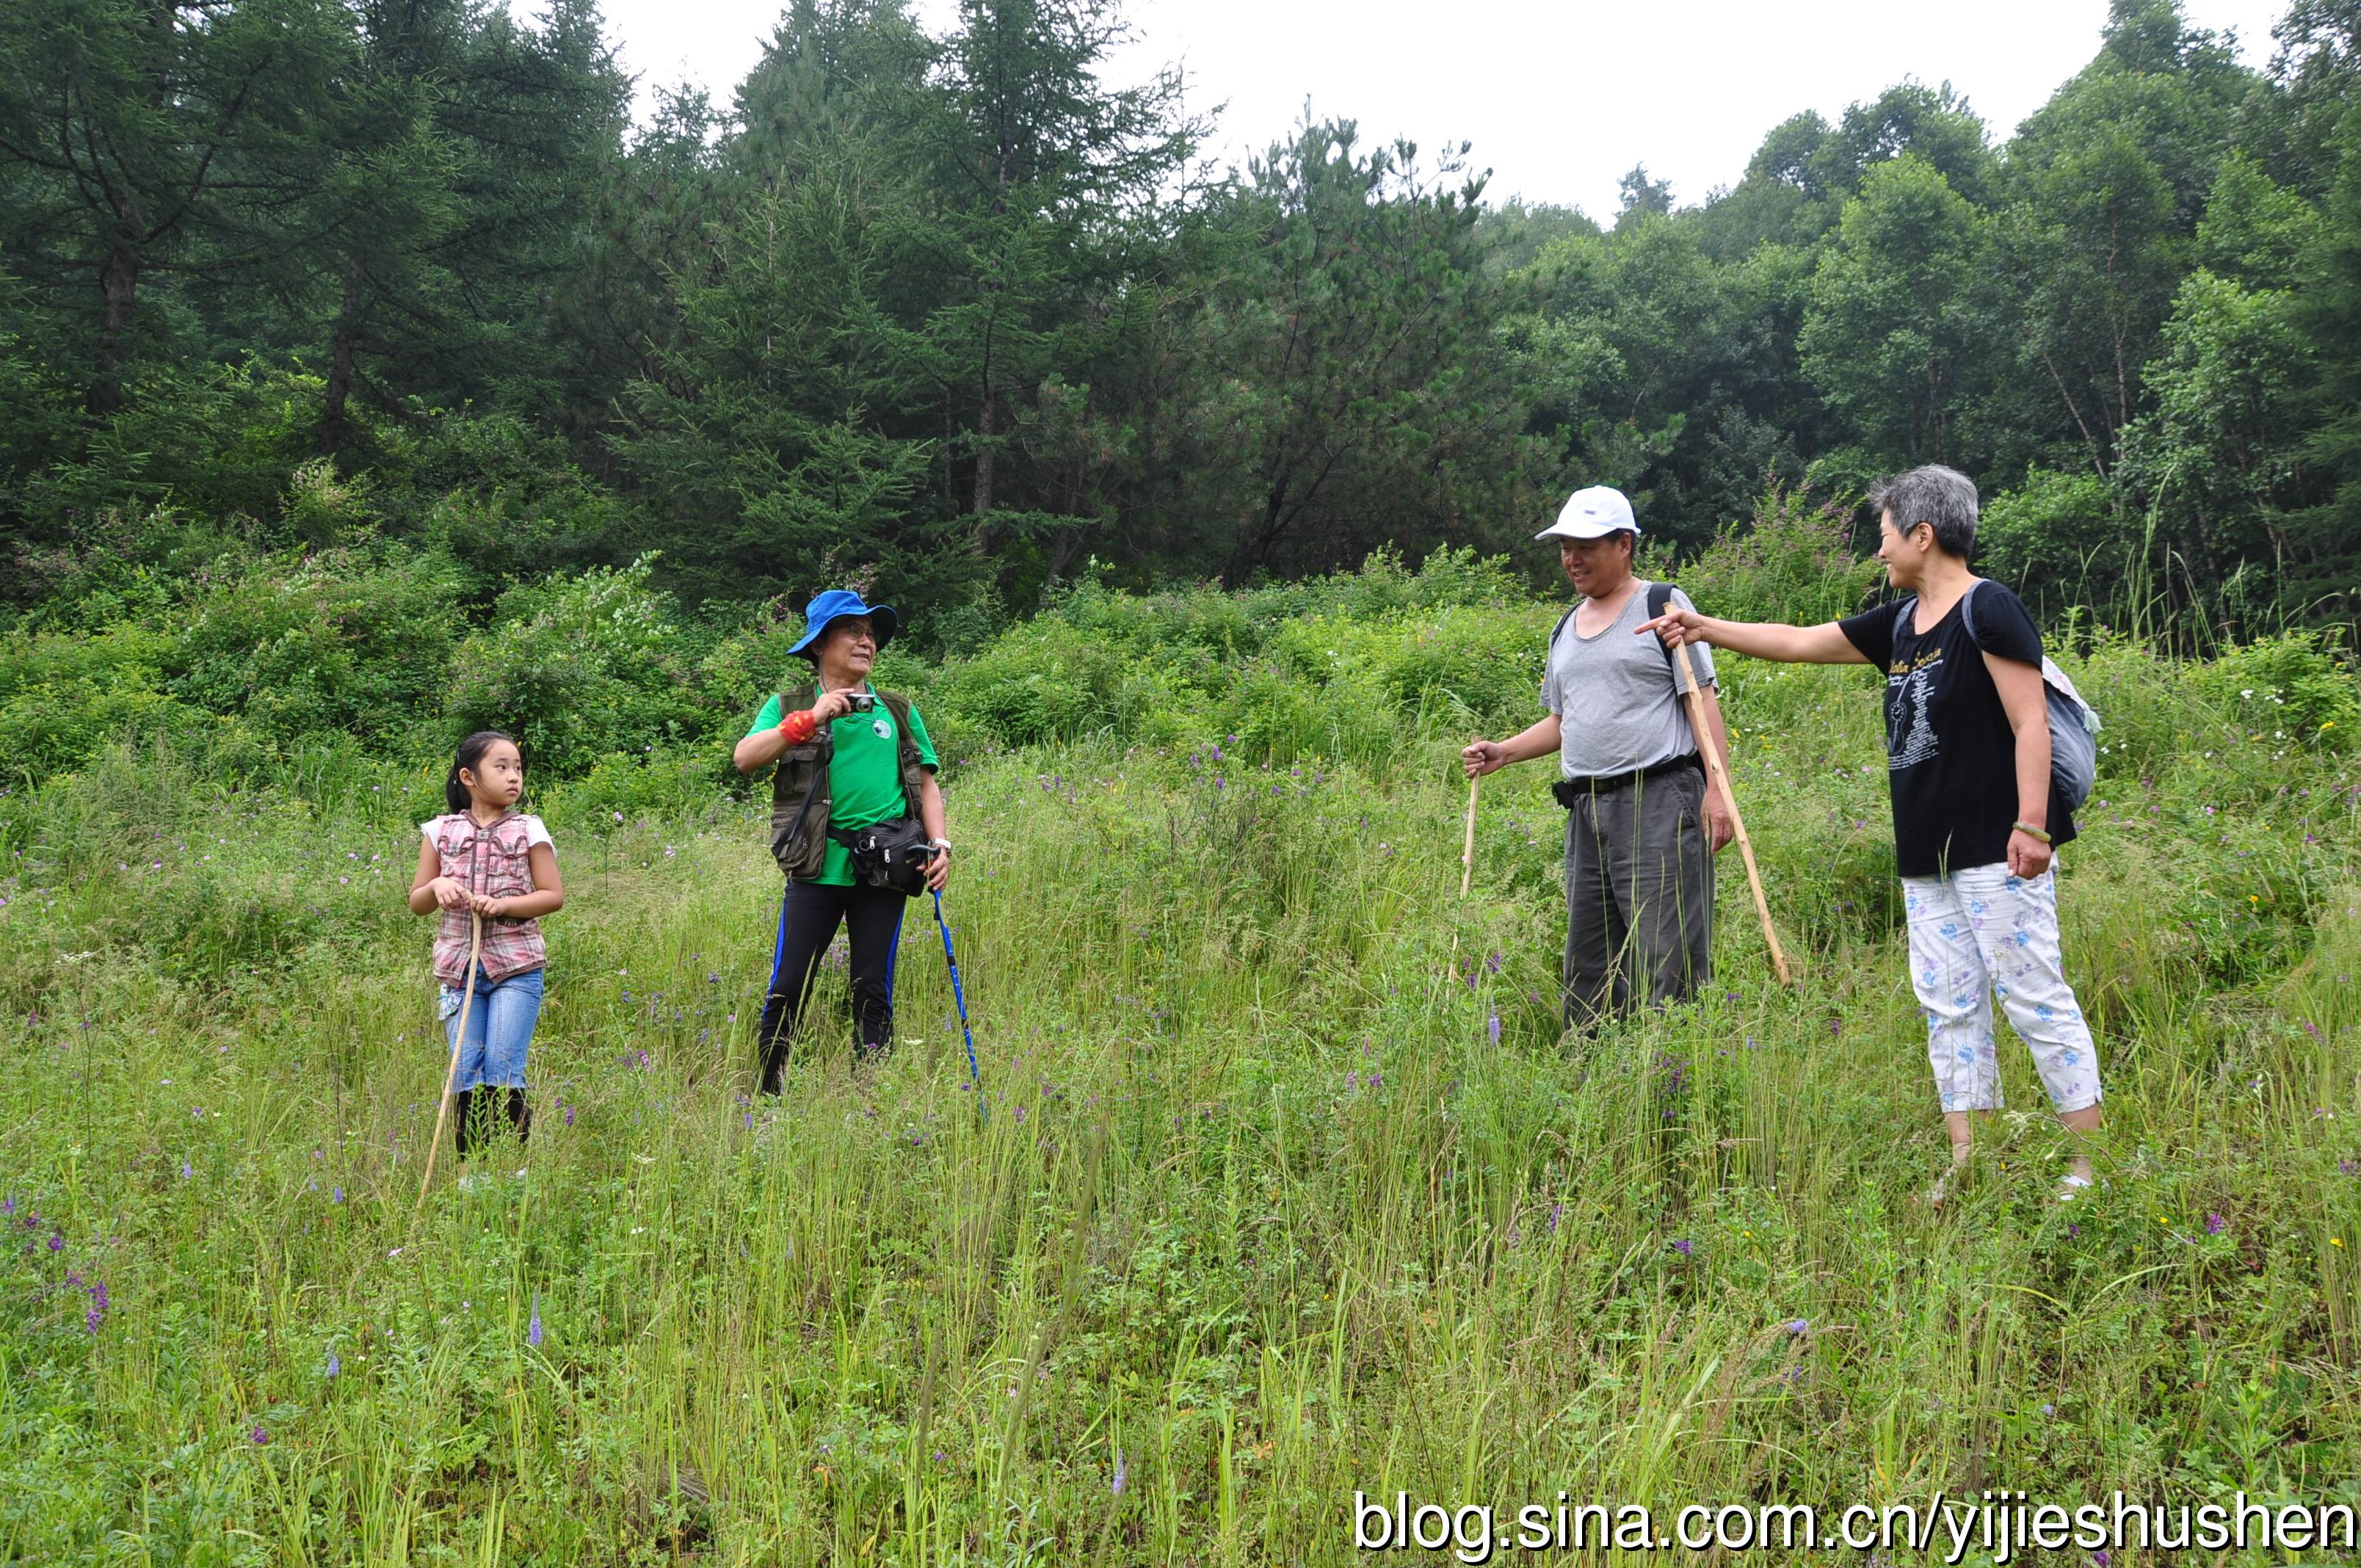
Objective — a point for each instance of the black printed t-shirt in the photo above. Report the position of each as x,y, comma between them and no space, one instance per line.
1951,755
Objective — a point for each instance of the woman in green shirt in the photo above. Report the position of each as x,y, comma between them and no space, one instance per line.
848,757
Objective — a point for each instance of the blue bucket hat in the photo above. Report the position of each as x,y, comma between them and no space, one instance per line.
838,603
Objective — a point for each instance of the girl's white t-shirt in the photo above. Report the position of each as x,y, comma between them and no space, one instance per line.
534,833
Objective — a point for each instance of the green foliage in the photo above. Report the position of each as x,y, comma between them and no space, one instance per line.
1892,337
2289,691
1258,1195
63,699
1793,563
2057,540
2218,461
576,669
346,642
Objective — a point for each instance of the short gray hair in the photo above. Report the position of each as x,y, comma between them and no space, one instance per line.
1942,498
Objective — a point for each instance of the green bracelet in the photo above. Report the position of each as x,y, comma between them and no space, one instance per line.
2030,831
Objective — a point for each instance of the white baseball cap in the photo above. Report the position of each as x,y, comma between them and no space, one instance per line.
1593,513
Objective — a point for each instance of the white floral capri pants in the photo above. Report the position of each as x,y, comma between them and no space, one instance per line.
1980,933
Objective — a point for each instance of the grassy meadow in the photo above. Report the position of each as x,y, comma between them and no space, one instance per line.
1288,1188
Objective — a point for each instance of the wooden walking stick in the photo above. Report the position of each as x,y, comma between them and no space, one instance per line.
1468,848
1696,696
1466,856
459,1037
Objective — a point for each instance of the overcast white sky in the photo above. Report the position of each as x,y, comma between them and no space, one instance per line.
1559,99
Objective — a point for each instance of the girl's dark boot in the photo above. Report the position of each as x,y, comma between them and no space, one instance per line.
520,1114
464,1104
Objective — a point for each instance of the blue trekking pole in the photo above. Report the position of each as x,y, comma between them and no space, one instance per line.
974,1076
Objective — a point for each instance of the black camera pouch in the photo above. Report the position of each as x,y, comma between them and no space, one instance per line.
893,854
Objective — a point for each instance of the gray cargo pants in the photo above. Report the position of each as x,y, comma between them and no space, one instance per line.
1639,896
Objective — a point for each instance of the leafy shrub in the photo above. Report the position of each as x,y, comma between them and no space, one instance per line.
669,783
2293,688
577,669
347,641
64,697
504,501
1793,563
2053,538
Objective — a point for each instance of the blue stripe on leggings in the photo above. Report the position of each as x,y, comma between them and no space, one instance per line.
895,952
779,948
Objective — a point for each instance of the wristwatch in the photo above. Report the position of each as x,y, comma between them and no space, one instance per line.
940,845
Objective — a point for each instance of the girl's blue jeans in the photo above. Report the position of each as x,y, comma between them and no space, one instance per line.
500,1029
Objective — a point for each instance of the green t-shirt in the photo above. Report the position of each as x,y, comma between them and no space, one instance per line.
864,775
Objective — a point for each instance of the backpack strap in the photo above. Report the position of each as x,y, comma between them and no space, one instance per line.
796,702
1660,598
913,767
1968,610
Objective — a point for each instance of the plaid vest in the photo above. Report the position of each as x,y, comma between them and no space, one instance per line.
497,862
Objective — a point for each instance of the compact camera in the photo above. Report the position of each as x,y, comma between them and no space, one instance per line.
862,702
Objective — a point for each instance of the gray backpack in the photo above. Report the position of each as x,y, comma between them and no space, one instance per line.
2073,726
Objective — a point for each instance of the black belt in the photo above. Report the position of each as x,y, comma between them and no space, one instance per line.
1568,791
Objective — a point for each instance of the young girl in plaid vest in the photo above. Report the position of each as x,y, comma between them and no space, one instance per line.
486,857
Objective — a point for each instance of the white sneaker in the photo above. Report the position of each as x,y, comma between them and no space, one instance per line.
2074,1186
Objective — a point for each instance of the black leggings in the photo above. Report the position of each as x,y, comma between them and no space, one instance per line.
808,916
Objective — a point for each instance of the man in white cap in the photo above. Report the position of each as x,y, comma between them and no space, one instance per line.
1641,827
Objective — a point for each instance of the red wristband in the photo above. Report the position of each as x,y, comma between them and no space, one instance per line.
799,727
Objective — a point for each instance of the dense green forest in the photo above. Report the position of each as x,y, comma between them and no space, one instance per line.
954,315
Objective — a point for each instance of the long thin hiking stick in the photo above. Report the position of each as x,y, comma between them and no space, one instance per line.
1466,857
1468,848
451,1076
974,1074
1696,697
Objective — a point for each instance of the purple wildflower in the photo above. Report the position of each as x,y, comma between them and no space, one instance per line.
1122,1471
336,1195
185,1171
259,1436
1555,1210
2049,1410
1798,1325
1492,1030
2215,1224
569,1109
533,1324
1683,1247
91,1319
57,1241
335,1366
8,1205
98,1295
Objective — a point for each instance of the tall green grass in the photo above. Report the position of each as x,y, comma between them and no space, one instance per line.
1259,1216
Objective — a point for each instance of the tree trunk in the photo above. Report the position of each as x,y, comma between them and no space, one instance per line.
1062,548
987,425
118,281
333,427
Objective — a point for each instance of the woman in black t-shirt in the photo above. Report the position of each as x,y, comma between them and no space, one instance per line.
1976,815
